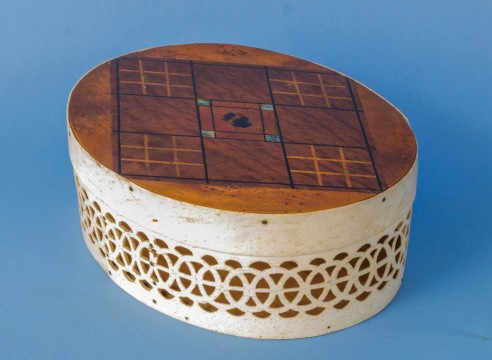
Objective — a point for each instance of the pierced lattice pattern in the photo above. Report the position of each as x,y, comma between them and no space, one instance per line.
242,285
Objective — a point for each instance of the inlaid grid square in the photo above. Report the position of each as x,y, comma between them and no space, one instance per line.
331,166
235,160
161,156
310,89
247,84
320,126
155,78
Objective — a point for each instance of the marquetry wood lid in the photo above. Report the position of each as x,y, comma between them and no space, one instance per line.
239,128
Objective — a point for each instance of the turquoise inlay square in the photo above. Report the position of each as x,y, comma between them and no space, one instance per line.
268,107
208,133
272,138
203,102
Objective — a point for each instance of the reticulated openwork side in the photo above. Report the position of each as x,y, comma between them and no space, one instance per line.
164,271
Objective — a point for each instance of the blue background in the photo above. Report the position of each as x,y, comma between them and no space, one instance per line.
432,59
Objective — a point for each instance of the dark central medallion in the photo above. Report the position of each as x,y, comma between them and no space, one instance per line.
237,120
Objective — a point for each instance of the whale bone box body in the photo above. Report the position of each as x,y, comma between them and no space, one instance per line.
242,190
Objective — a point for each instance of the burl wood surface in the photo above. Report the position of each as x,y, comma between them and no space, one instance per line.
240,128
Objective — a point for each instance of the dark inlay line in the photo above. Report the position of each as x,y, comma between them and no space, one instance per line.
239,102
207,63
319,107
237,107
262,122
240,132
277,121
118,112
252,182
159,96
237,132
197,136
300,185
361,189
212,181
364,134
332,145
199,122
155,59
328,72
198,62
235,139
147,177
158,134
211,109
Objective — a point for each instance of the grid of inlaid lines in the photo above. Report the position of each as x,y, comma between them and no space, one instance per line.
311,89
140,77
239,124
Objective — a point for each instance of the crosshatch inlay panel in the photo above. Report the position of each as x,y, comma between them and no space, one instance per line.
240,124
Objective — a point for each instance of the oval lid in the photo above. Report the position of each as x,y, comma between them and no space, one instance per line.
239,128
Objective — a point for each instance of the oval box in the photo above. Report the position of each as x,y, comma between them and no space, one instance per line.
242,190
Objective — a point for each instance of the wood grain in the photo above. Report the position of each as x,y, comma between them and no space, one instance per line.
340,142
